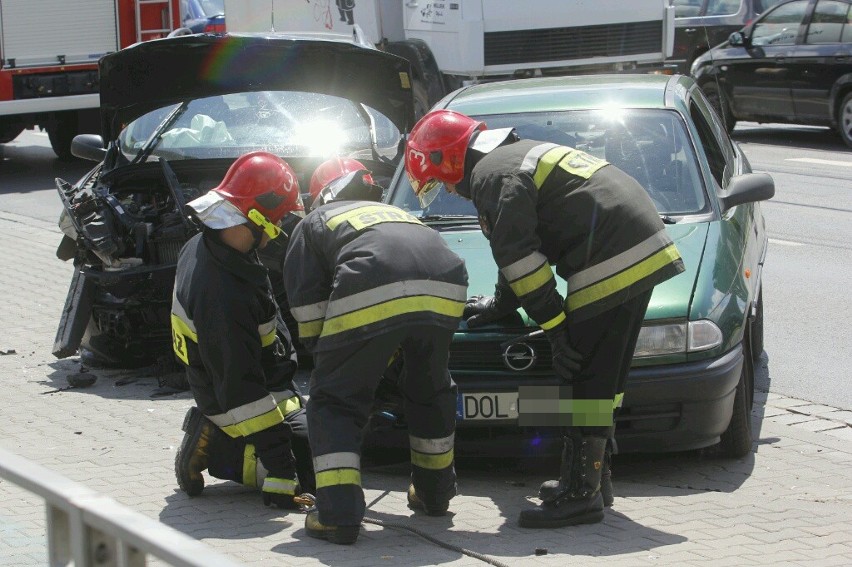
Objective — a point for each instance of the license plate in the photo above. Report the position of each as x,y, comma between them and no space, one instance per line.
487,406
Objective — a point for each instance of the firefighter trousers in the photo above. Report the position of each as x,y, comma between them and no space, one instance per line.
607,342
342,388
235,459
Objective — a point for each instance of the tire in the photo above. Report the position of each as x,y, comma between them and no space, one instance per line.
421,99
757,330
844,119
720,104
736,440
60,132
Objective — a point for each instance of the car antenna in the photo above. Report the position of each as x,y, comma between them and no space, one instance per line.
272,14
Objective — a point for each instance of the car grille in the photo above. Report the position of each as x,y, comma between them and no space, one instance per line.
487,356
558,44
168,249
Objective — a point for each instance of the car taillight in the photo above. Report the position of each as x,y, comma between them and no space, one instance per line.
214,28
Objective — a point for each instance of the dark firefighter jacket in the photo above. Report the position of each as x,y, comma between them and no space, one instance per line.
225,326
541,204
357,269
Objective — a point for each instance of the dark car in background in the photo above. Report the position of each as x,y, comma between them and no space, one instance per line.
691,383
203,16
792,65
702,24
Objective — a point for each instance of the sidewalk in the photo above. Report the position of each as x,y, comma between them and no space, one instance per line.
789,503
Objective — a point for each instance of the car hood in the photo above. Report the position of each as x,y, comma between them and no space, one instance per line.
671,299
161,72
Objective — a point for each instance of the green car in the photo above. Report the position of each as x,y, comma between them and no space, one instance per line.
691,383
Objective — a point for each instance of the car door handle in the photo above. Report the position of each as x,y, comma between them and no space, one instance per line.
690,30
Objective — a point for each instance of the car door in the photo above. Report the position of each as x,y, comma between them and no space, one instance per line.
759,79
820,60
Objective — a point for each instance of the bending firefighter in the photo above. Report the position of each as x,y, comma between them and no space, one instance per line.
363,280
250,425
543,205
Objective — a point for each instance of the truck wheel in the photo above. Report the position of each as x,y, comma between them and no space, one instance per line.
421,100
719,102
9,132
736,440
844,119
61,131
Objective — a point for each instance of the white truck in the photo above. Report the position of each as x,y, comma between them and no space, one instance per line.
49,51
449,43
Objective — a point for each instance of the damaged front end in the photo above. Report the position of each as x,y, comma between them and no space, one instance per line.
124,234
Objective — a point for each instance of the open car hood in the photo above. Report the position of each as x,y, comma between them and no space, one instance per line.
154,74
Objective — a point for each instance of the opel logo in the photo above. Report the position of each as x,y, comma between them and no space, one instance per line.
519,357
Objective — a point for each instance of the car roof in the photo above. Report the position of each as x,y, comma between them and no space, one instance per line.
157,73
572,93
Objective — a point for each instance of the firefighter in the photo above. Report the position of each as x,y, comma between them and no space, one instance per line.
542,204
363,279
249,425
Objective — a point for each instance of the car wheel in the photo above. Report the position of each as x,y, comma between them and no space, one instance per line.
61,132
844,119
720,104
736,440
757,329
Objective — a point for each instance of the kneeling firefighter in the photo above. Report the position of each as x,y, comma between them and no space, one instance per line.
364,279
250,425
542,204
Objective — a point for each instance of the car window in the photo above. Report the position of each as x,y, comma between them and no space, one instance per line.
687,8
651,145
212,7
827,22
780,26
723,7
709,137
761,6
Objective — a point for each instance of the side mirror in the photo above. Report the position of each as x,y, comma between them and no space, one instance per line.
88,146
747,188
737,39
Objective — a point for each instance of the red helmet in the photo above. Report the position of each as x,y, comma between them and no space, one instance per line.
332,169
436,149
264,188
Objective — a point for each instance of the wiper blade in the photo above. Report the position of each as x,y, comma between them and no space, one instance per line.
667,219
157,134
466,218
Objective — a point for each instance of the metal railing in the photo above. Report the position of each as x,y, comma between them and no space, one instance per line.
87,529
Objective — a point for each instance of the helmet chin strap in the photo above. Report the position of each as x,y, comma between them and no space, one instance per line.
257,234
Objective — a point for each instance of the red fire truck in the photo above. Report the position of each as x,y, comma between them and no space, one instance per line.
49,52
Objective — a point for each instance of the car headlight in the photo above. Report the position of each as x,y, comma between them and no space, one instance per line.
692,336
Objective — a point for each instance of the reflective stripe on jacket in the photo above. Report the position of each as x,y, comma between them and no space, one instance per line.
542,204
355,269
225,330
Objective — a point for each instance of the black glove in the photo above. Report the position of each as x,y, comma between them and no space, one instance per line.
483,309
566,360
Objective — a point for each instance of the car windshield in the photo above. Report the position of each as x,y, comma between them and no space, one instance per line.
651,145
287,123
213,7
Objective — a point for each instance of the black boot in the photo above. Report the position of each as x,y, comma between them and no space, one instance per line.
576,497
434,507
606,475
194,451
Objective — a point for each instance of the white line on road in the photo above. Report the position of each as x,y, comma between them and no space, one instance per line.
785,242
822,161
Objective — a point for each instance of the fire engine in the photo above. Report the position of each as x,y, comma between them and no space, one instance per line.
49,50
